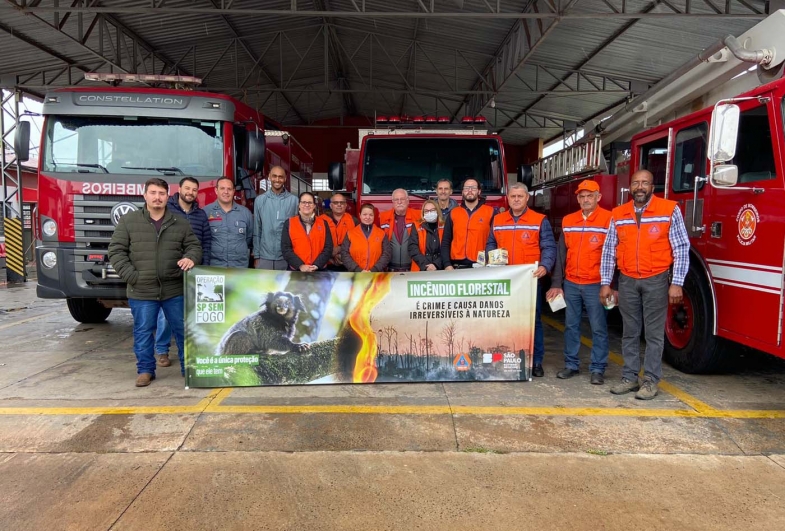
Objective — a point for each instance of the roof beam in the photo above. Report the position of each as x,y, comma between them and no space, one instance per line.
333,56
609,9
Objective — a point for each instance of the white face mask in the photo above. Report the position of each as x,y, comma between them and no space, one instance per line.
430,217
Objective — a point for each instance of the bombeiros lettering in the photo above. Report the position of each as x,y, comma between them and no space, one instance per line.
113,189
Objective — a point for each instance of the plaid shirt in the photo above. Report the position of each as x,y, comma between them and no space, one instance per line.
680,246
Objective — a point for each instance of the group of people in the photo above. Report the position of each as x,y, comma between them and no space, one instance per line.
152,247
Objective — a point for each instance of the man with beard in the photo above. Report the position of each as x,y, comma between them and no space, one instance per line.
231,227
646,237
183,204
466,228
150,249
270,211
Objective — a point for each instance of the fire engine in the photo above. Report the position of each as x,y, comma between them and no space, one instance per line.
414,153
725,166
101,143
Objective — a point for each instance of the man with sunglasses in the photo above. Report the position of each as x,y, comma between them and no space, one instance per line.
340,223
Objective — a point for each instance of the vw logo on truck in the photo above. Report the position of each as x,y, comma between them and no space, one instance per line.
120,210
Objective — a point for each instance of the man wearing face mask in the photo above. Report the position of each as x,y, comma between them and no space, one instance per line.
646,237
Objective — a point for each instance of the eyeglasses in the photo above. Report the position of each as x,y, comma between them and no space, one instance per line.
400,200
470,188
306,202
426,211
338,203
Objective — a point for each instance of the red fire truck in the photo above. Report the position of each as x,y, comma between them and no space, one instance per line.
413,154
725,167
101,143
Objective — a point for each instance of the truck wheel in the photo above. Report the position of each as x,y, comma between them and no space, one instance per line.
88,310
690,344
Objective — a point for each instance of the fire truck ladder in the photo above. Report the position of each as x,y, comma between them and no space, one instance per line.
579,159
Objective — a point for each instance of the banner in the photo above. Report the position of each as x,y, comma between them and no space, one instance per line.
249,327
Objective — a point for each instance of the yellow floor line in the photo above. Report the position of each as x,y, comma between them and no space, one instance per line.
219,397
693,402
16,323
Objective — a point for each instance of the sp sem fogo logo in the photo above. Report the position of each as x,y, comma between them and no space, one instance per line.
210,302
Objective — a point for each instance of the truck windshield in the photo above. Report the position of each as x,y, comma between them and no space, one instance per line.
133,146
417,164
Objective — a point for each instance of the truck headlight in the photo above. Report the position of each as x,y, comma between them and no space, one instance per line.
49,259
49,227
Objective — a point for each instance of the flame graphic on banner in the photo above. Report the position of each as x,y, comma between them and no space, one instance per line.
360,321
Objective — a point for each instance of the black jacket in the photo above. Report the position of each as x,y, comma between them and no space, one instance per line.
433,246
199,224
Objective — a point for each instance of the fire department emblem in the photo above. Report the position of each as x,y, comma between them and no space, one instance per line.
748,220
120,210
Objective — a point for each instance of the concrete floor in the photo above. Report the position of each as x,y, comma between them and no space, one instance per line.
82,448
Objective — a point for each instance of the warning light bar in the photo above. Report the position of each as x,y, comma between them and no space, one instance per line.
141,78
473,120
420,120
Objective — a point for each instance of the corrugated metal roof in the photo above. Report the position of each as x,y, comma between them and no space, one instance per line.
398,65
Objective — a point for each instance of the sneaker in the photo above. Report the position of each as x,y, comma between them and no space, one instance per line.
538,371
597,378
144,379
625,386
648,390
566,373
163,360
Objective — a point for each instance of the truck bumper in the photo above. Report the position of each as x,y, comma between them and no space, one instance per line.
67,279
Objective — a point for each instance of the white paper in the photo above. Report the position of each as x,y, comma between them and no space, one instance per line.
557,303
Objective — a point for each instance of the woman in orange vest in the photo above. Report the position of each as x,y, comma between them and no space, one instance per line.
425,238
306,242
366,246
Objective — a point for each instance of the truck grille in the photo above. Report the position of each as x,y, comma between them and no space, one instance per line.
93,229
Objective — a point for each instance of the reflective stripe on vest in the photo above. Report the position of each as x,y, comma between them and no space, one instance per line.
521,238
646,251
365,251
387,221
307,246
469,233
584,239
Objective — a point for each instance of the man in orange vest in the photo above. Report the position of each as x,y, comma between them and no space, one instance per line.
396,224
645,238
340,223
528,238
577,277
466,228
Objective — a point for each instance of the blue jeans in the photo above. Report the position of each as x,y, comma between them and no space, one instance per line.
577,296
145,315
539,335
163,334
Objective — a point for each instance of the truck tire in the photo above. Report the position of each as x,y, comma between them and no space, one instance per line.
88,310
690,344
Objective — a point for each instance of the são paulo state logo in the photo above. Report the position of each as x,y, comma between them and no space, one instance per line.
747,219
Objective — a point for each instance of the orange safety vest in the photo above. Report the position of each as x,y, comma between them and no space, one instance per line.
584,239
644,251
307,246
365,251
469,233
521,238
387,221
422,239
338,230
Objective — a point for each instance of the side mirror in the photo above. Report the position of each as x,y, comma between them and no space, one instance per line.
335,176
725,175
526,175
724,132
255,149
22,142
